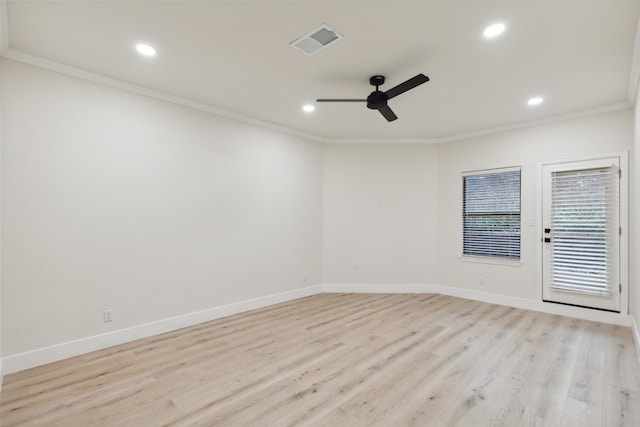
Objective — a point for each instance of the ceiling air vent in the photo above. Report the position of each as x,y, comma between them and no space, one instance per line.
316,40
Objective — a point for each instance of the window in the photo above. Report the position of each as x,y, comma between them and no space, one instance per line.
491,214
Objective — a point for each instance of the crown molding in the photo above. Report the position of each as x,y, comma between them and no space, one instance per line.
549,120
381,140
152,93
634,74
4,27
199,106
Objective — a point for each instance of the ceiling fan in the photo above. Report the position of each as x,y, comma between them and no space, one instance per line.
377,100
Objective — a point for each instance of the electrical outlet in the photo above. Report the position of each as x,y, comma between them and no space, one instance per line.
481,282
107,315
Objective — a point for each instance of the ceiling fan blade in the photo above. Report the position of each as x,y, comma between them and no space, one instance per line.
408,85
388,113
341,100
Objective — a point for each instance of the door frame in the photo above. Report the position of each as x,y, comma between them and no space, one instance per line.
624,224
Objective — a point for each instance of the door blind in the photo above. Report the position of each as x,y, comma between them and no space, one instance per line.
584,230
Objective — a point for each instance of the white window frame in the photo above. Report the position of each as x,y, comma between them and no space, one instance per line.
488,259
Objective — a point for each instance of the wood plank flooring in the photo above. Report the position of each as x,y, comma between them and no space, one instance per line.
347,360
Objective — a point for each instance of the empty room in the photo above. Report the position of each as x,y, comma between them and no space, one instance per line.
319,213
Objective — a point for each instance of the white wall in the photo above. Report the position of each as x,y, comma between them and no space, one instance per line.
392,213
588,136
380,214
114,200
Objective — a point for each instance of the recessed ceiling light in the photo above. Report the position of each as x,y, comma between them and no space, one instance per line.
536,100
145,49
308,108
494,30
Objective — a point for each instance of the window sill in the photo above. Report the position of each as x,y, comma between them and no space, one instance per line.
487,260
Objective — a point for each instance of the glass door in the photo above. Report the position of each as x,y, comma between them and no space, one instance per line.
581,233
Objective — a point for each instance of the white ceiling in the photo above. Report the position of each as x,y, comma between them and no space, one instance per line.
235,56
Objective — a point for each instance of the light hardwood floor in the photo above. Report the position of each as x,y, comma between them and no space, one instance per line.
347,360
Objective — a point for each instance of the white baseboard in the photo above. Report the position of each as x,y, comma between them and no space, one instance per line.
636,334
341,288
42,356
527,304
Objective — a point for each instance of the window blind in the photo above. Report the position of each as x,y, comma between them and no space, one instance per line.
584,230
491,215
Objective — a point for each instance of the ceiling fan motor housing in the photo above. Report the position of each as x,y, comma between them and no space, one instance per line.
376,100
